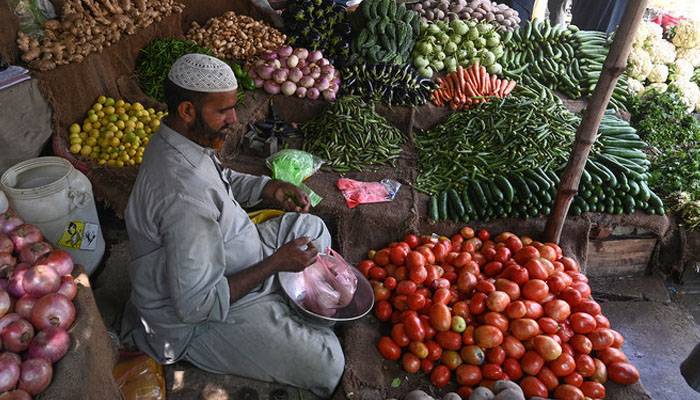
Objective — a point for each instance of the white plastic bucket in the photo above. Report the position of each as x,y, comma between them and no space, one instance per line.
49,193
3,202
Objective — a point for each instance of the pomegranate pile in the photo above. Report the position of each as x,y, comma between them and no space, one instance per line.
36,307
480,309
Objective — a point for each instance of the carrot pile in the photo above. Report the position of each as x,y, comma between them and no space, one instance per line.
473,85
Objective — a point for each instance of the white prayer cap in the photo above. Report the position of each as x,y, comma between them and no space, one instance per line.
202,73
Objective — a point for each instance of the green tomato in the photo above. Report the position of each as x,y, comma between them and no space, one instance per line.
450,47
424,47
487,58
440,55
495,69
433,29
420,61
450,64
459,27
498,51
438,65
492,41
459,325
443,38
473,33
426,72
468,45
479,43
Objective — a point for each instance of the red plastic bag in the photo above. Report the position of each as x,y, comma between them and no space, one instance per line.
329,284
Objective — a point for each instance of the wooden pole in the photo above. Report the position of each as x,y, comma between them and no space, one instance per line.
614,66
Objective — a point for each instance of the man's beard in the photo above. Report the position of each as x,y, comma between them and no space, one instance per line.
209,136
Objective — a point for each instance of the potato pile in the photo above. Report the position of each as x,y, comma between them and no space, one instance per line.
500,15
236,37
88,26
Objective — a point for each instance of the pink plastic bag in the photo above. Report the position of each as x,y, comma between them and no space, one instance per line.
356,192
329,284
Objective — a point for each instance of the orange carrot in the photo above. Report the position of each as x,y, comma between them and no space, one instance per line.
494,83
509,88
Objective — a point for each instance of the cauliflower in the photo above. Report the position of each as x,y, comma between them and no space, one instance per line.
681,70
658,74
639,64
690,93
656,87
635,87
687,34
691,55
647,33
662,52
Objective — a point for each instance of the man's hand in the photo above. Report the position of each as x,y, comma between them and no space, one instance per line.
284,195
295,255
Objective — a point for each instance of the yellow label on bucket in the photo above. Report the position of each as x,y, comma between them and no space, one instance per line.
79,235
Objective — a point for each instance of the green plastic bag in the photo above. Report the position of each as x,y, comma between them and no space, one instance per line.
295,166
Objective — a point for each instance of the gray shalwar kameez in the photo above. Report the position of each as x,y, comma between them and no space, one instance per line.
187,233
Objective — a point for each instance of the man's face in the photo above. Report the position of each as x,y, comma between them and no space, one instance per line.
214,119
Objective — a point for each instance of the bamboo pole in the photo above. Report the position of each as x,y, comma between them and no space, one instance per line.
586,133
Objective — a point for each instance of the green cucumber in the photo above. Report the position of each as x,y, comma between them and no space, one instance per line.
496,194
443,206
521,187
478,195
433,208
456,202
505,187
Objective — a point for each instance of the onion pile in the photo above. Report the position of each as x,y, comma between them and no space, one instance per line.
480,309
296,72
36,308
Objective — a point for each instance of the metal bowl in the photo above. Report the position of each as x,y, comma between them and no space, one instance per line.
359,306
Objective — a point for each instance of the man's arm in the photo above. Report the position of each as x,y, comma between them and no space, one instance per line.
292,257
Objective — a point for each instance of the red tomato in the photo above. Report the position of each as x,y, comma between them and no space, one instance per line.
485,286
381,293
585,365
601,372
426,365
467,232
449,340
568,392
388,349
583,288
534,309
406,287
397,255
390,283
524,328
364,266
484,234
588,306
503,254
382,257
461,308
440,376
612,355
410,363
574,379
565,332
401,273
418,274
440,250
547,347
416,301
496,319
536,269
602,338
434,350
419,349
497,301
398,334
487,336
569,264
442,296
511,367
581,344
509,287
548,325
383,310
558,310
468,335
556,284
493,372
451,359
468,375
602,321
516,310
548,378
526,253
593,390
563,366
462,259
477,304
496,355
533,387
548,252
582,322
414,328
400,302
472,355
571,296
519,275
489,252
430,332
531,363
377,273
619,339
411,240
535,290
440,317
493,268
513,347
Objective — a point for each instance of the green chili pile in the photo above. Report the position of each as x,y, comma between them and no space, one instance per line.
350,135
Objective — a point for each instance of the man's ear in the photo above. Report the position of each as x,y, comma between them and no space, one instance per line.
187,112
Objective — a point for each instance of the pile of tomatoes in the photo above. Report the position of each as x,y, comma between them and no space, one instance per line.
481,310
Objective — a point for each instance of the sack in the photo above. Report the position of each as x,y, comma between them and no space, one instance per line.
328,284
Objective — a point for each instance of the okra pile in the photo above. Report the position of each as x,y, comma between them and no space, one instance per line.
350,135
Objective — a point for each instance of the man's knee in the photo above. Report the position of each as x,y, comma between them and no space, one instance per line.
327,382
316,229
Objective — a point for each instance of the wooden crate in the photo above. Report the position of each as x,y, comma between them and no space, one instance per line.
616,257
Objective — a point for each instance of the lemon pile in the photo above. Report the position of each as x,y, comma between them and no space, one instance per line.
114,133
